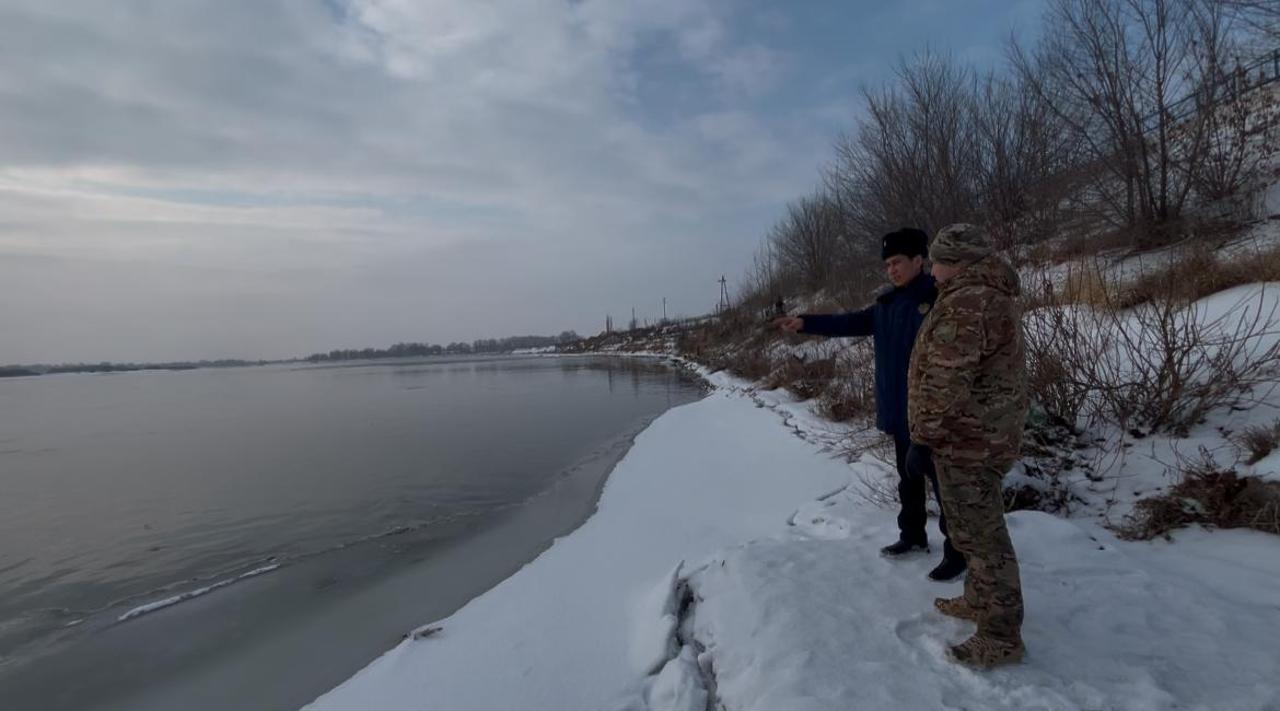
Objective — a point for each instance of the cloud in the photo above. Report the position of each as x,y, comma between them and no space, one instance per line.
363,142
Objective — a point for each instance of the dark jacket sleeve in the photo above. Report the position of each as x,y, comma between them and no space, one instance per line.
857,323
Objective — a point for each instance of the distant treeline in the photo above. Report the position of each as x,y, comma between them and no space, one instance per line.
414,350
16,371
399,350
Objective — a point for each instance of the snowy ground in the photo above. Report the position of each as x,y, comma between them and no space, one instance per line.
735,562
813,619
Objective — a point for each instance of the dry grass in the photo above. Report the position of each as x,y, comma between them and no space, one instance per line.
1258,441
1191,272
1077,248
746,363
1086,284
815,377
1197,272
842,402
1208,495
805,378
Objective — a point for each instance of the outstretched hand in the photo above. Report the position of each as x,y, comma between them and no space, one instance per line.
790,324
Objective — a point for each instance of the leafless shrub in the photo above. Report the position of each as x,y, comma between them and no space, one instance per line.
1161,364
1207,494
817,374
805,378
1258,441
695,344
1029,498
1058,345
1235,149
746,363
1047,455
810,251
782,376
877,485
807,240
851,391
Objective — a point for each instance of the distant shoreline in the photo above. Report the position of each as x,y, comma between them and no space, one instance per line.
23,371
16,372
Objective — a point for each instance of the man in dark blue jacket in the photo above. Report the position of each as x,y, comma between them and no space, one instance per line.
892,321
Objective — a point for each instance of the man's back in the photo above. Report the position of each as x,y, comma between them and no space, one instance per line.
968,374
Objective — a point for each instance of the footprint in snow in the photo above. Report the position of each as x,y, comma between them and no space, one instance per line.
926,634
821,524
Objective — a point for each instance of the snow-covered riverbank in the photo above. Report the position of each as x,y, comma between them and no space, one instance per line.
576,628
722,522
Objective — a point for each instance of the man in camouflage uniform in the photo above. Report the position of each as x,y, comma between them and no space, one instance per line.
967,401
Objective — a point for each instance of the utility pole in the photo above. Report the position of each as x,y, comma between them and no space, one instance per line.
664,309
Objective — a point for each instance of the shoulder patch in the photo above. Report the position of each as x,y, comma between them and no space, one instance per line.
923,308
945,332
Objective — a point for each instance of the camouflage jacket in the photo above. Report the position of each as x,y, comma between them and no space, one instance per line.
967,383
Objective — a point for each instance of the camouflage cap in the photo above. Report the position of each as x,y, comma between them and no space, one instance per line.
960,243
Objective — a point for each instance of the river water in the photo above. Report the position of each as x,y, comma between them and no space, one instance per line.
248,538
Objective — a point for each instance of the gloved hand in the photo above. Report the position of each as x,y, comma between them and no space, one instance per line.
919,461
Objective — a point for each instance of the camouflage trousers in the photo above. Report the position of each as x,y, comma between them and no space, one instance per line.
973,501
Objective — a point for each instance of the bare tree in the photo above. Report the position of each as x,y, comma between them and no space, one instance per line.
807,240
1022,152
913,160
1130,79
1263,16
1230,122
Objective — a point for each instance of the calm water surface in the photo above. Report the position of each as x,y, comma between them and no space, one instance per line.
247,538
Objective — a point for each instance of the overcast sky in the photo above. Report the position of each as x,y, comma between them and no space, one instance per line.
184,179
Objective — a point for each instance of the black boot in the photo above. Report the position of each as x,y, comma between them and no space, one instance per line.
903,547
948,569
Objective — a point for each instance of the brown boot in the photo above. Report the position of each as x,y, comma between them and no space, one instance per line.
982,652
956,607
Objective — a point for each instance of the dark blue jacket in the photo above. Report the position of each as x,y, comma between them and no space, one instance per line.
893,321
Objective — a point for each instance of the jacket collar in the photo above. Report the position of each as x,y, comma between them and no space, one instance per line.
919,286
